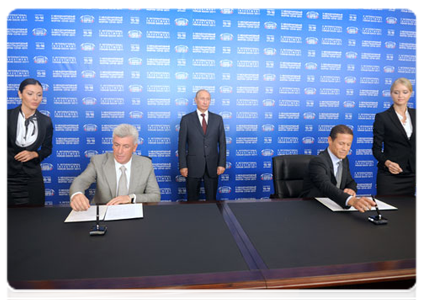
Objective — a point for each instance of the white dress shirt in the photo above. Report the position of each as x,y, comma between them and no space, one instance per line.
200,117
21,141
408,126
335,164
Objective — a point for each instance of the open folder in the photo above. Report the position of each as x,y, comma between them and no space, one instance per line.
107,213
333,206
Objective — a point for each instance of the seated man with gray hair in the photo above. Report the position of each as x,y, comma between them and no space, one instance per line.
121,176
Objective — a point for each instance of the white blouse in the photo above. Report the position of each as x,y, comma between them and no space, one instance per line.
26,136
408,127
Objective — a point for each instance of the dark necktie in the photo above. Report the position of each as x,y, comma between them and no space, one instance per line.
204,124
31,119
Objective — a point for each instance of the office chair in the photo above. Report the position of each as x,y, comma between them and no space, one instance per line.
288,175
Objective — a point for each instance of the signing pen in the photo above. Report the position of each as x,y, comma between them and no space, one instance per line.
98,217
377,208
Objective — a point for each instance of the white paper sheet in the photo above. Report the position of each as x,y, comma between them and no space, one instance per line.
88,215
107,213
124,211
333,206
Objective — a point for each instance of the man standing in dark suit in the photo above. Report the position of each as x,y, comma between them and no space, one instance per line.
329,173
202,148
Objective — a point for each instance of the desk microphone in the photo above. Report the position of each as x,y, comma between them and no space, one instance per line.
97,229
378,220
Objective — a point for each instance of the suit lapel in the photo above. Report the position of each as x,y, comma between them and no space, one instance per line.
326,155
394,118
110,171
41,129
13,123
197,123
413,122
345,168
135,170
210,123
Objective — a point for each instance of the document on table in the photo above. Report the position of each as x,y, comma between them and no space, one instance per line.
333,206
124,211
107,213
87,215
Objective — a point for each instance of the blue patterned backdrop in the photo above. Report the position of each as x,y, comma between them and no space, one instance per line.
280,78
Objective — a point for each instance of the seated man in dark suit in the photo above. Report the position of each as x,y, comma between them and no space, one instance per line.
329,173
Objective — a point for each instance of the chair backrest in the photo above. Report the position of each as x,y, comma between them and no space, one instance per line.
288,175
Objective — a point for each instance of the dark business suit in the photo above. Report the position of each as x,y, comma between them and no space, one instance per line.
320,180
202,153
32,168
390,142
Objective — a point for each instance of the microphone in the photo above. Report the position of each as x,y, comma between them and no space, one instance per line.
378,220
97,229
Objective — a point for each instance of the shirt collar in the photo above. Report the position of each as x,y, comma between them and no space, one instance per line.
23,115
127,165
334,159
406,114
199,113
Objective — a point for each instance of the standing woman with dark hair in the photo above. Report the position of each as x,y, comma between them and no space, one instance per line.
29,141
394,143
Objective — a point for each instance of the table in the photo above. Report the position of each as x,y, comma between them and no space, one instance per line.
303,244
227,244
172,245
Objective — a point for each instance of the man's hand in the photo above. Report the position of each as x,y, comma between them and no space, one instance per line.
362,204
393,167
25,155
350,192
184,172
124,199
220,170
79,202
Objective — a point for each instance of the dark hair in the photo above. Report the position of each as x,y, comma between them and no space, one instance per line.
340,129
28,81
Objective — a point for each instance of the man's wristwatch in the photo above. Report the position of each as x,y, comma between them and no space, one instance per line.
132,196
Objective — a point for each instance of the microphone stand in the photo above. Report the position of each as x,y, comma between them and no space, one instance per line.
378,219
97,229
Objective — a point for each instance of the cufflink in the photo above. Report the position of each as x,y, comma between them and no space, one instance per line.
132,196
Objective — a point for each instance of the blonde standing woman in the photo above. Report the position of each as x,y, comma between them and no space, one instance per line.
394,143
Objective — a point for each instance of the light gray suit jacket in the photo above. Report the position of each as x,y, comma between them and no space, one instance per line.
101,169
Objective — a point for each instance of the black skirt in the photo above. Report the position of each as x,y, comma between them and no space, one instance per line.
390,184
25,190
